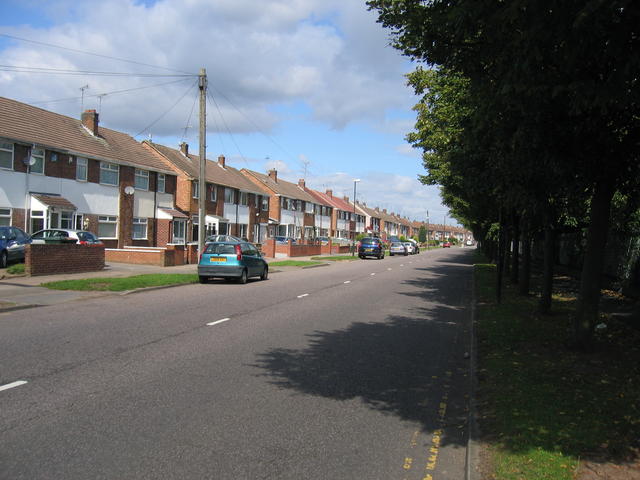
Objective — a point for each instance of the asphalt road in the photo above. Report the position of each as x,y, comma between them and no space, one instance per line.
353,371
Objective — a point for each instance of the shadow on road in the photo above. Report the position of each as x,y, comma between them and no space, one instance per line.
398,366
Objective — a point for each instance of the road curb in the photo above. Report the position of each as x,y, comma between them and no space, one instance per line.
471,457
316,266
19,307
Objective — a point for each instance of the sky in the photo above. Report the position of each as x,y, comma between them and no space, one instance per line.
309,87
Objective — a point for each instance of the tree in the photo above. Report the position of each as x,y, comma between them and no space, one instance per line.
557,79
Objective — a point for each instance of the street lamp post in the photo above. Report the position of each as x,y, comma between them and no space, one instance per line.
355,223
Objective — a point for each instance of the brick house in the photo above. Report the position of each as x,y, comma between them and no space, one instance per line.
293,211
60,172
372,219
233,204
388,224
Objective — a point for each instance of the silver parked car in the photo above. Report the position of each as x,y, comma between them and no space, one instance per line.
398,248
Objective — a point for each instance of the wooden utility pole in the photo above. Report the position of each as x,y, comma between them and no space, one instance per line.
202,183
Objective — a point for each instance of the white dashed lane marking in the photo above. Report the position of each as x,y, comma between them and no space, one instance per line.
12,385
303,295
218,321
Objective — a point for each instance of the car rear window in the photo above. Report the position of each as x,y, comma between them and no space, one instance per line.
370,240
220,249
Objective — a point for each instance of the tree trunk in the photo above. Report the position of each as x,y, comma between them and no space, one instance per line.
500,262
524,281
515,255
506,249
587,312
544,306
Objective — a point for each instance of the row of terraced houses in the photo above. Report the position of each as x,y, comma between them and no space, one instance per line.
61,172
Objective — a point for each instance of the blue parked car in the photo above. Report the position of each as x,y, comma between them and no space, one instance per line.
12,244
371,247
231,259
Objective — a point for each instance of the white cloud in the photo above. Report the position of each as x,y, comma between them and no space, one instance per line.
329,54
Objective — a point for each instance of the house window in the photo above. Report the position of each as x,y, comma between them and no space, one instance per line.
195,188
37,154
6,155
161,183
244,198
79,222
179,229
37,220
309,207
81,169
139,228
195,232
265,204
5,217
66,219
141,180
107,227
228,195
214,193
243,230
109,173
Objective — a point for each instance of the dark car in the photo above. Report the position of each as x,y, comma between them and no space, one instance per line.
12,244
233,259
371,247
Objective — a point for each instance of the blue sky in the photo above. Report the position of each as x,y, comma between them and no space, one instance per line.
294,84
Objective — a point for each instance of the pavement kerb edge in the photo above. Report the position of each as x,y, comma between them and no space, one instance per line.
471,457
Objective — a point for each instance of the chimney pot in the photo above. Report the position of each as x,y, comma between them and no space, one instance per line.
346,199
330,193
184,148
301,183
273,174
221,160
89,119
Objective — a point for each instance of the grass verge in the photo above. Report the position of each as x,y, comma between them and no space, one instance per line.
336,258
542,407
116,284
293,263
16,269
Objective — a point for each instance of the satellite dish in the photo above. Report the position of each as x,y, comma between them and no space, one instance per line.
129,190
29,161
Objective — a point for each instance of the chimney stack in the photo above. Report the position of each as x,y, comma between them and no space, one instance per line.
90,121
330,193
301,183
384,210
221,161
346,199
184,149
273,174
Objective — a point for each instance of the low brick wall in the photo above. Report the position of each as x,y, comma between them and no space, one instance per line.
168,256
55,259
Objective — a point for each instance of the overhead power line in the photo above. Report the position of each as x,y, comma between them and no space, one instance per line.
91,53
114,92
60,71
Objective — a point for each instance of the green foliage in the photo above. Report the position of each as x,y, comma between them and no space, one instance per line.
360,236
16,269
402,238
422,234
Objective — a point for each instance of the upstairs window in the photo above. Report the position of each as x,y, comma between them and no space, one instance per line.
214,193
195,188
37,154
160,188
228,195
6,155
81,169
109,173
265,204
244,198
141,180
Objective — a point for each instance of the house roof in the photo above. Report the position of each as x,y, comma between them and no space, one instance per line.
54,201
335,202
385,216
190,165
29,125
281,187
368,211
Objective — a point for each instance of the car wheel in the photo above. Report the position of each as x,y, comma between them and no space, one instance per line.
406,253
243,277
390,254
203,279
265,274
3,259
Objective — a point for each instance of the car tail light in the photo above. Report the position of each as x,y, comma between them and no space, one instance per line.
238,252
359,244
83,242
